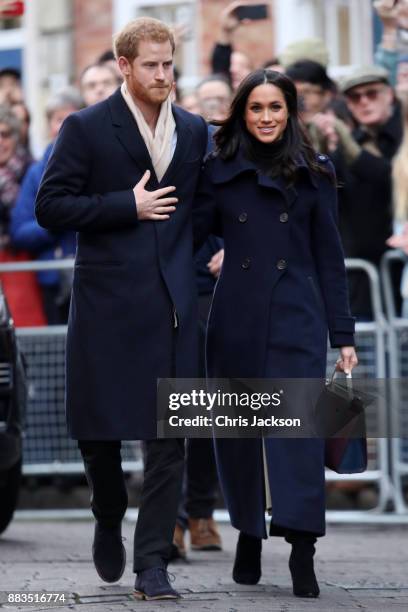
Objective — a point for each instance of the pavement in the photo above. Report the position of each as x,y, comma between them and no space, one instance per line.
358,567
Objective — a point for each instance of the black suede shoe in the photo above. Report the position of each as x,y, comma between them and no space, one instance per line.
153,584
301,565
108,553
247,564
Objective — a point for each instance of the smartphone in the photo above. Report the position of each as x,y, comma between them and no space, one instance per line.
253,12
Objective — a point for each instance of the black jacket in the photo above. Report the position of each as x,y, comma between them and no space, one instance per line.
365,195
134,280
365,205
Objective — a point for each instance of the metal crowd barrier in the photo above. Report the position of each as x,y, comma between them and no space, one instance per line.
47,449
370,345
398,368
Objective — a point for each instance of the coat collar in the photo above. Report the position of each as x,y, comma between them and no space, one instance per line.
184,139
128,134
226,170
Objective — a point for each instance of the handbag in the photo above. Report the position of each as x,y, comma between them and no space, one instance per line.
340,419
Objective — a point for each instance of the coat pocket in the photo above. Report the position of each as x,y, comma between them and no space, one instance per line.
98,264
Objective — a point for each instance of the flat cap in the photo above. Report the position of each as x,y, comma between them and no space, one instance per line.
361,75
307,49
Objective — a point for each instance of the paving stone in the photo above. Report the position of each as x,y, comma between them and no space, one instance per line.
359,568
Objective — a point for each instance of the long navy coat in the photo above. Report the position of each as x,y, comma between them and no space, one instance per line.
133,309
281,290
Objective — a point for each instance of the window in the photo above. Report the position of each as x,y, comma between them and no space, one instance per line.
348,31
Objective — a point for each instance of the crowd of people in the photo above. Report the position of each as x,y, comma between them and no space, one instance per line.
44,298
356,126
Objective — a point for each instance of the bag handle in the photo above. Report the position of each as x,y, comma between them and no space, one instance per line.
349,378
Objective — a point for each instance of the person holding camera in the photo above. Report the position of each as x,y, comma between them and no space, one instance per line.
233,64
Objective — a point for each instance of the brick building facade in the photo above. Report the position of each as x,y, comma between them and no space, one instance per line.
91,31
57,40
93,27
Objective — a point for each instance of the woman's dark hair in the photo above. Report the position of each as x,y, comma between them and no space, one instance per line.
232,133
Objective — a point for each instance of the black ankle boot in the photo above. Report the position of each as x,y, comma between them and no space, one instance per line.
301,565
247,564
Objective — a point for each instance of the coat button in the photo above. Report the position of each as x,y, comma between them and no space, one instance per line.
243,217
283,217
282,264
246,264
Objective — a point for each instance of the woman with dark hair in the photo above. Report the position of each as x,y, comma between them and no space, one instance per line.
282,289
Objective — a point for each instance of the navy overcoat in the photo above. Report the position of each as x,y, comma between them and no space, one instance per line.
281,291
133,308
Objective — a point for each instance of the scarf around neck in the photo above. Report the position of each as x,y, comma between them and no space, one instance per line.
158,145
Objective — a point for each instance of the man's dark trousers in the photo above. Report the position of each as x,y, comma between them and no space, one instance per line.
163,475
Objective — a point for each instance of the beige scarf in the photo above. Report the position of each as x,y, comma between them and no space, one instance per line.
158,144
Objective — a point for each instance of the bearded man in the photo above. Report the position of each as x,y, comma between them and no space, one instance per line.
123,175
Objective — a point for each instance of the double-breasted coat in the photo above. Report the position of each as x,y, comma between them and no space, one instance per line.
281,291
133,310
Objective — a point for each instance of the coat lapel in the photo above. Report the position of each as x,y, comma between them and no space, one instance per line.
128,133
184,138
239,164
226,171
288,192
